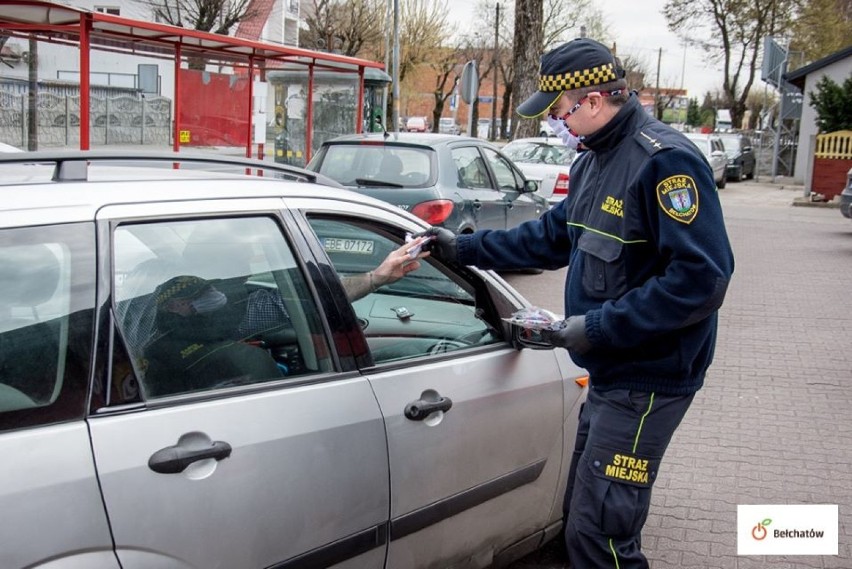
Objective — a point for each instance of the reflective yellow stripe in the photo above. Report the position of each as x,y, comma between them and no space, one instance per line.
611,236
614,556
642,422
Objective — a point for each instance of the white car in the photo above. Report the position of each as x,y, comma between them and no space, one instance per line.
712,148
546,160
185,382
446,125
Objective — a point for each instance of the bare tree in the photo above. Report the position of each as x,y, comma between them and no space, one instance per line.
733,32
423,30
527,46
349,27
217,16
446,65
821,28
477,48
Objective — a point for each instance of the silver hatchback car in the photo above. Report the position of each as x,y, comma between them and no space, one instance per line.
184,384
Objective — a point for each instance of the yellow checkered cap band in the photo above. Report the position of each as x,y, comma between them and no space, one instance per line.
577,79
184,286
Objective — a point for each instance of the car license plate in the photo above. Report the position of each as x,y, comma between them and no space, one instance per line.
360,246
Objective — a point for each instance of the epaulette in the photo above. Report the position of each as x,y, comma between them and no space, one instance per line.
651,141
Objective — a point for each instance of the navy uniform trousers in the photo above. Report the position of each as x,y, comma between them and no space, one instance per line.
621,439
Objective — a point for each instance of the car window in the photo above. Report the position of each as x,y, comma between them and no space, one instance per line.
212,303
47,295
539,153
426,313
507,178
472,172
357,165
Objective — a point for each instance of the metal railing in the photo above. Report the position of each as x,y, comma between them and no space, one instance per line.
834,145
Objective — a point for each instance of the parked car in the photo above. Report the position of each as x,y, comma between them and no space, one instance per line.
712,148
417,124
458,182
741,160
846,197
335,433
446,125
546,160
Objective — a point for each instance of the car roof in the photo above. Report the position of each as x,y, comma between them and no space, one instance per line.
92,180
414,138
552,140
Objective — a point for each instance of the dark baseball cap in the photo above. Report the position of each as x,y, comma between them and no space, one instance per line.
579,63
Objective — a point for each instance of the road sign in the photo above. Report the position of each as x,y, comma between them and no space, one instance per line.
469,82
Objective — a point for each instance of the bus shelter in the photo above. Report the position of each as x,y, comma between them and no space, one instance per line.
220,94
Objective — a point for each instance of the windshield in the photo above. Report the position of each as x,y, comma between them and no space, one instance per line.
380,165
731,144
539,153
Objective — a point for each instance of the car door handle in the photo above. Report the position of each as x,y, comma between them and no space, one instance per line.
175,459
476,204
420,409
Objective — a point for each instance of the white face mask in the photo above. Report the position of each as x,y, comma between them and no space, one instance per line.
565,134
209,301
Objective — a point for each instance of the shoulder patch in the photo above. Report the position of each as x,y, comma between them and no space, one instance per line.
651,142
678,198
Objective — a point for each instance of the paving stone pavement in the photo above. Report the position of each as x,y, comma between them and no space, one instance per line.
772,424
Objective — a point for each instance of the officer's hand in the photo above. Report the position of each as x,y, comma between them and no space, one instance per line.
569,334
443,243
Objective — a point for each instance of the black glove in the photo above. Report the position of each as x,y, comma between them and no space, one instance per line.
569,334
443,245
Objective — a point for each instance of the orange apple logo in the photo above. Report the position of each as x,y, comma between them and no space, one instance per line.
759,532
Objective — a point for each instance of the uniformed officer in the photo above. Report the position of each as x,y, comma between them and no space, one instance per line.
649,264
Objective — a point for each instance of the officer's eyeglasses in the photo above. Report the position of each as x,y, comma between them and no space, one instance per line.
585,98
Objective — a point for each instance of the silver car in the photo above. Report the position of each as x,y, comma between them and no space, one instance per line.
183,383
545,160
713,149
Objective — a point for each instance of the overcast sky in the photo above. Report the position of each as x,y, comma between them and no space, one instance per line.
639,29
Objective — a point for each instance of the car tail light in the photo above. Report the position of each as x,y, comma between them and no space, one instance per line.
561,186
433,212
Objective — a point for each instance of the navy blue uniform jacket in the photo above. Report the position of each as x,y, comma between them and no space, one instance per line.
649,259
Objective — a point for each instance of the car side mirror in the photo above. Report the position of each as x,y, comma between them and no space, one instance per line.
530,186
528,338
747,148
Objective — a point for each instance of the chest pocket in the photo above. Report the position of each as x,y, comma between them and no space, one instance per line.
603,266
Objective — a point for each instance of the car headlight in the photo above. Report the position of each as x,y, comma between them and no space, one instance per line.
732,161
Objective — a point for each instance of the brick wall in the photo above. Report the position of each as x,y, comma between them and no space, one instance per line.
829,176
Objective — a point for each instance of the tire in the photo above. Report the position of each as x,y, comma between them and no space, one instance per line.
721,183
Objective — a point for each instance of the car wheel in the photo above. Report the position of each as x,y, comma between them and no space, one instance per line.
750,175
721,183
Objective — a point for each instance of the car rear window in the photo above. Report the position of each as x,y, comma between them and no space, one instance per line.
539,153
391,166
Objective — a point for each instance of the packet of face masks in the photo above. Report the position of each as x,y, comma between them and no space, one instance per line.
533,318
414,251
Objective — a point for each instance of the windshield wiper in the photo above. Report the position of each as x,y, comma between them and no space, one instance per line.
372,182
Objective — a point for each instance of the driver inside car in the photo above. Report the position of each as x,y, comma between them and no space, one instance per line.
201,333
